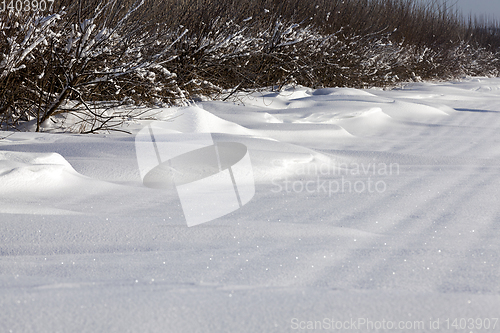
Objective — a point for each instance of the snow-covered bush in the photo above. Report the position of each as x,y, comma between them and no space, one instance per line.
87,57
97,55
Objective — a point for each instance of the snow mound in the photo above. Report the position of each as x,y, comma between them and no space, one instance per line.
340,114
196,120
340,92
35,172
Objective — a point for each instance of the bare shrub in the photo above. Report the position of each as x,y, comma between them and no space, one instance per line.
88,57
90,52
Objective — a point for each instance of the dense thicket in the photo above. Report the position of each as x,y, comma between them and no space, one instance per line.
84,58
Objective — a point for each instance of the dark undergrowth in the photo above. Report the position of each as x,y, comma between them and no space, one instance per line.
85,58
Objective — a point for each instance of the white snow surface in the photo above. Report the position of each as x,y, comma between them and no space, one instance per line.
375,205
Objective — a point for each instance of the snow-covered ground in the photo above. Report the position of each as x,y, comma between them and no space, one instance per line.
373,211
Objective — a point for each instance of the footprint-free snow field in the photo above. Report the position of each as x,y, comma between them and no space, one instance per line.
373,211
